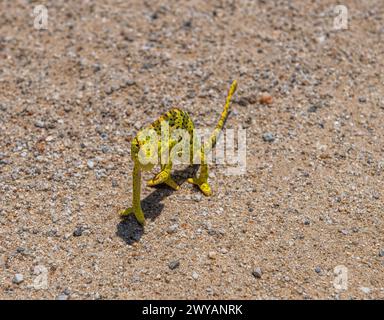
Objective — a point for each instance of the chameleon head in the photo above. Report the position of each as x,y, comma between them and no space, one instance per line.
143,153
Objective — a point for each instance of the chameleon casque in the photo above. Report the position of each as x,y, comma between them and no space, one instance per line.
143,149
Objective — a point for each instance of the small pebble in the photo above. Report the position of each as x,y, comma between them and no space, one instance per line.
224,251
381,253
187,24
172,228
67,108
244,101
18,278
67,236
312,109
257,273
212,255
174,264
362,99
105,149
103,135
90,164
39,124
78,232
268,137
62,297
130,82
365,290
266,98
195,275
318,270
321,39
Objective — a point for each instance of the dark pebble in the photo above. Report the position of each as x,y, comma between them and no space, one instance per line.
268,137
257,273
78,232
312,109
174,264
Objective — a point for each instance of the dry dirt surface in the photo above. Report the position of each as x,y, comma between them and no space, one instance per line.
304,222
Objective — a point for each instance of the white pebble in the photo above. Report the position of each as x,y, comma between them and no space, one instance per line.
18,278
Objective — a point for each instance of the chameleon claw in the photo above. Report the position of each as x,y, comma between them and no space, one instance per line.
126,212
138,214
159,178
206,189
203,186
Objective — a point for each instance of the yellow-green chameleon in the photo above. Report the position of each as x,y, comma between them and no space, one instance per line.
143,150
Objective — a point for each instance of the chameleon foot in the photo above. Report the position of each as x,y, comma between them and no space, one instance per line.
159,178
163,177
126,212
138,214
203,185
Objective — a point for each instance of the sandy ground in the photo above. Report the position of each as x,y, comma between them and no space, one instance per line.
73,96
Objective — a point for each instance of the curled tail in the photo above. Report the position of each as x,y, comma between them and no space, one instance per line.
216,132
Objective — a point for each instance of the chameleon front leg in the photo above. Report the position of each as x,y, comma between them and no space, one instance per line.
164,176
202,180
136,204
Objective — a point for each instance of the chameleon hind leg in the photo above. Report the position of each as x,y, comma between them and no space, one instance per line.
136,205
202,180
164,176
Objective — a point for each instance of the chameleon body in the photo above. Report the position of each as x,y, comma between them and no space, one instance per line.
175,119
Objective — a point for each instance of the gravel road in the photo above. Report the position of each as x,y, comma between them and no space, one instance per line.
305,221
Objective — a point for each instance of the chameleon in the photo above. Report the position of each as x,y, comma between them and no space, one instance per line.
143,149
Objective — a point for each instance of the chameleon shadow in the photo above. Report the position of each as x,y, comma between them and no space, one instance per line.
129,229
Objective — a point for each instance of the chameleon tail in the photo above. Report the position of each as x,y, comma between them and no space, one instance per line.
215,134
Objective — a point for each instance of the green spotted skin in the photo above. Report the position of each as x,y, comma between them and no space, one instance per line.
176,119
